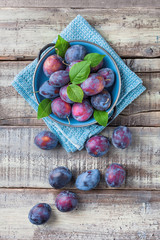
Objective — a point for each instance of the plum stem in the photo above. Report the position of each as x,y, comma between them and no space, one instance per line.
68,120
65,63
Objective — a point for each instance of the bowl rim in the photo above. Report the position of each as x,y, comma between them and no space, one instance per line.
74,41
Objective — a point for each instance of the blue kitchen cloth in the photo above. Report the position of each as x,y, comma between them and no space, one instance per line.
71,138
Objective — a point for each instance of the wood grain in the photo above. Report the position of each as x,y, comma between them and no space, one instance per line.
144,111
24,165
132,32
100,215
81,3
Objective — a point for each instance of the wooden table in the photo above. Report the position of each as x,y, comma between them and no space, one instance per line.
132,28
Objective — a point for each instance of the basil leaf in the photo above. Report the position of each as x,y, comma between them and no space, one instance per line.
44,108
61,46
101,117
79,72
75,93
95,58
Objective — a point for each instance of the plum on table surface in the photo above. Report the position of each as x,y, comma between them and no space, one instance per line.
88,180
97,145
115,175
75,52
53,64
61,108
59,177
59,78
109,76
93,85
121,137
48,91
46,140
64,95
40,213
101,101
82,111
66,201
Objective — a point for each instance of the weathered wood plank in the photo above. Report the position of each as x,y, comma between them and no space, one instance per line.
130,33
100,215
144,111
81,3
24,165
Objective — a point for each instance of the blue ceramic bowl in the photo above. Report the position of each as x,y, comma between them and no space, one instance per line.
39,78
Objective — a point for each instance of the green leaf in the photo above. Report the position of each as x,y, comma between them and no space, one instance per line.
95,58
44,108
79,72
61,46
75,93
101,117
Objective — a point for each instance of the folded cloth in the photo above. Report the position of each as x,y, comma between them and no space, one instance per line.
71,138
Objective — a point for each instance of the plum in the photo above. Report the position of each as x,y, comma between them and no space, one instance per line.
48,91
72,63
40,213
59,78
101,101
46,140
93,85
97,146
88,180
115,175
59,177
75,52
82,111
52,64
66,201
64,95
121,137
96,68
60,108
108,75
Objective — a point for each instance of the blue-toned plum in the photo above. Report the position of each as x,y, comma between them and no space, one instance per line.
93,85
40,213
115,175
46,140
60,177
64,95
53,64
75,52
121,137
48,91
88,180
59,78
97,146
82,111
109,76
61,108
72,63
99,66
66,201
101,101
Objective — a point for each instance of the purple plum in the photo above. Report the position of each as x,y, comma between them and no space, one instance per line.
46,140
101,101
96,68
53,64
59,78
82,111
88,180
59,177
115,175
121,137
66,201
64,95
108,75
75,52
97,146
60,108
48,91
93,85
40,213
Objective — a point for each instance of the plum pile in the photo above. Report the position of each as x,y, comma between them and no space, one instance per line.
95,87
